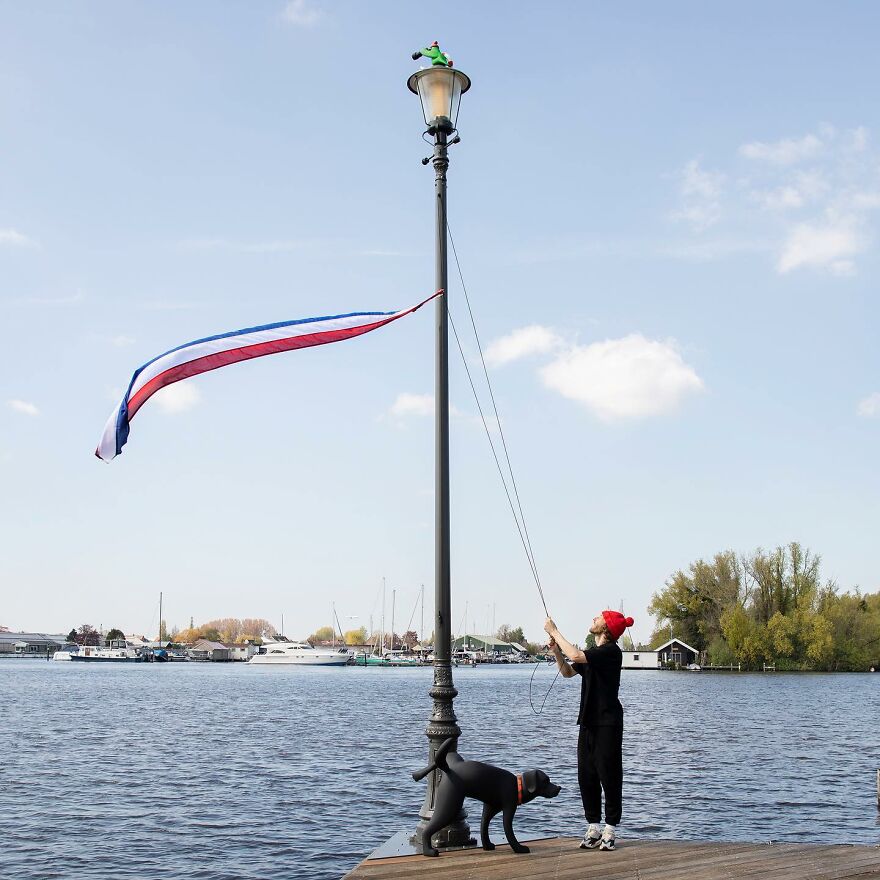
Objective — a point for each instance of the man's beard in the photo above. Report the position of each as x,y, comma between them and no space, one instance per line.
597,630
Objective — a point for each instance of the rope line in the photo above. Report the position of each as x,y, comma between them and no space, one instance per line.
519,518
522,515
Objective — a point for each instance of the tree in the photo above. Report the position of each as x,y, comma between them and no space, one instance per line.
87,635
115,634
71,636
356,636
322,634
410,639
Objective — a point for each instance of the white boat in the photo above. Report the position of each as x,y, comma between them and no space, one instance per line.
118,651
283,651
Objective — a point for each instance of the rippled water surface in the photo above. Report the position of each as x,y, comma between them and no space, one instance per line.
232,771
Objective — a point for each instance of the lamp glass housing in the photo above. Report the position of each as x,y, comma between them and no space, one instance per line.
440,90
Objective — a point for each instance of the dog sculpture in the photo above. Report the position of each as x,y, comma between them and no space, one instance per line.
499,790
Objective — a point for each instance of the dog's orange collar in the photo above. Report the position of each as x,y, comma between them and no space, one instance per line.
519,789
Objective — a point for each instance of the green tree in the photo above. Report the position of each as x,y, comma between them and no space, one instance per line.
71,636
115,634
516,635
322,634
356,636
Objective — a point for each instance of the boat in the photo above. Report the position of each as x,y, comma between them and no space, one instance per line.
118,651
282,650
389,658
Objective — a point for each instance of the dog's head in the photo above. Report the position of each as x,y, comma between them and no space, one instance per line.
536,783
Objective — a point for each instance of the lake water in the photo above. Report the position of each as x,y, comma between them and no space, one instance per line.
232,771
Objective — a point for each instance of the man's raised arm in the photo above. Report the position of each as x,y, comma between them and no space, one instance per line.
560,645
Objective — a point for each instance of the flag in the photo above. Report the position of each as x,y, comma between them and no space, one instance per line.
214,352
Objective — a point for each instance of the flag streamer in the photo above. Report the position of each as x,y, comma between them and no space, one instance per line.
213,352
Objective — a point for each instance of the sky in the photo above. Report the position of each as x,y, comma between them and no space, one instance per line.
666,217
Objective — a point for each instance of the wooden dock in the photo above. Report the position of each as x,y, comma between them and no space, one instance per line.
560,859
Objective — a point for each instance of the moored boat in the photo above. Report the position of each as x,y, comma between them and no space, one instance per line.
283,651
118,651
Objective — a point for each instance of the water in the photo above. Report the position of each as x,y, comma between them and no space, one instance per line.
222,771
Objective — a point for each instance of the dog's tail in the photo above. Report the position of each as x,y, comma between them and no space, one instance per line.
439,760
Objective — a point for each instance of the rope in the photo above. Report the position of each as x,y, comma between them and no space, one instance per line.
519,518
517,511
541,710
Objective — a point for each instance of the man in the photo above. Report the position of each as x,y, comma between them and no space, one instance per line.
600,739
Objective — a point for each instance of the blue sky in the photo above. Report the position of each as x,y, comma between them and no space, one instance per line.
667,221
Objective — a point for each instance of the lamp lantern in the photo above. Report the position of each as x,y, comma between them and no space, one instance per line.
440,90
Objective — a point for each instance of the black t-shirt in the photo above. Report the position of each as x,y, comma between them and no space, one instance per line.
600,682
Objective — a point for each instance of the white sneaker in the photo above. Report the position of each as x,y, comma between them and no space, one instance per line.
592,837
606,842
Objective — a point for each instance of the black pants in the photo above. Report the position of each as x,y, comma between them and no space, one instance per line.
600,768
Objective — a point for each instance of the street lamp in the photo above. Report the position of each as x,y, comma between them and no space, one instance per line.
440,88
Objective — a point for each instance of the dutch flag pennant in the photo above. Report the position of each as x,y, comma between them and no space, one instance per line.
214,352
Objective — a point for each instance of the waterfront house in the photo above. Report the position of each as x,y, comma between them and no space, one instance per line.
675,652
641,660
20,644
241,652
486,644
204,649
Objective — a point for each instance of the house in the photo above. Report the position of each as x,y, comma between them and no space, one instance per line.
675,652
641,660
242,652
481,643
18,644
205,649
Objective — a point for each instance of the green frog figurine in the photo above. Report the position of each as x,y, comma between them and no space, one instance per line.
438,59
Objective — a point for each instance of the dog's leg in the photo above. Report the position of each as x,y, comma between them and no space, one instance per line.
515,845
447,804
488,812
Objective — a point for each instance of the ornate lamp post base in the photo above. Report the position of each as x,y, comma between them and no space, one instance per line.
441,726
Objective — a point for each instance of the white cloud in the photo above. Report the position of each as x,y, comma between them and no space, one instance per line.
301,13
859,139
71,299
804,187
785,152
177,398
521,343
14,238
413,405
701,192
829,245
23,407
121,341
699,183
420,405
626,378
869,408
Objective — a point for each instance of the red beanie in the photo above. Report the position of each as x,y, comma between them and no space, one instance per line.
616,623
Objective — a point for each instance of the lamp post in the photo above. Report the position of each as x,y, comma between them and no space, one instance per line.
440,88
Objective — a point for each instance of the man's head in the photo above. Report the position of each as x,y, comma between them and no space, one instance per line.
609,626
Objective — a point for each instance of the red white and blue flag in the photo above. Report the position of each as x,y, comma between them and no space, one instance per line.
213,352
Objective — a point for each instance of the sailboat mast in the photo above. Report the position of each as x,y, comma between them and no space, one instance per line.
393,600
160,618
383,617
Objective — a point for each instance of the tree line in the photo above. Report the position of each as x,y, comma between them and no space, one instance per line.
769,607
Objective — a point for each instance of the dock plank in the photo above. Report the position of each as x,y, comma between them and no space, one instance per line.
560,859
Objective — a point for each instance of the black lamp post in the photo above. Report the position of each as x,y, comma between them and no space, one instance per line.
440,88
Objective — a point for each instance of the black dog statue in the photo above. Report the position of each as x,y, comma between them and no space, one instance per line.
499,790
